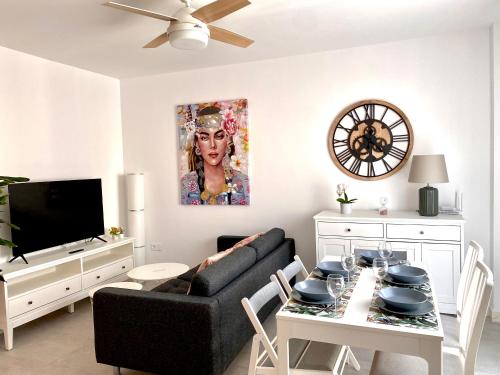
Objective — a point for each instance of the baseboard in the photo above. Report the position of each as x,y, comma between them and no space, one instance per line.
495,316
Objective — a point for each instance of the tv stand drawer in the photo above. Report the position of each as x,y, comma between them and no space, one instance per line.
31,301
108,272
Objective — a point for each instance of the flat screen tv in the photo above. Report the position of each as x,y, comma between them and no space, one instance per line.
53,213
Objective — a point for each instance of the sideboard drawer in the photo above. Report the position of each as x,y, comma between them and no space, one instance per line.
424,232
108,272
347,229
44,296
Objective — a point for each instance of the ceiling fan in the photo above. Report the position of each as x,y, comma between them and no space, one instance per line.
190,28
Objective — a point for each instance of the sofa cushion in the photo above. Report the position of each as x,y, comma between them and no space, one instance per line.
176,286
217,276
269,241
188,276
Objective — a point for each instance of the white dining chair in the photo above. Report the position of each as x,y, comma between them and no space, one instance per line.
475,252
305,357
460,360
292,270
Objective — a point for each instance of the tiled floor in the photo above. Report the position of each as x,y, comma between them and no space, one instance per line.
62,344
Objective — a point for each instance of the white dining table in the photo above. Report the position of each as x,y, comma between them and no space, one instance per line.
355,330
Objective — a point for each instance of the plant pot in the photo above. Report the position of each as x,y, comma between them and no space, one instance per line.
121,235
346,208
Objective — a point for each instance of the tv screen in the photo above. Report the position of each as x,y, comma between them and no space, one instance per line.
54,213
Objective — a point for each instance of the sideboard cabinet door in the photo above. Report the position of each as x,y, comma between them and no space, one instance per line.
413,250
331,246
443,262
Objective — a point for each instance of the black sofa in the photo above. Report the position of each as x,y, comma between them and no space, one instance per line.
165,331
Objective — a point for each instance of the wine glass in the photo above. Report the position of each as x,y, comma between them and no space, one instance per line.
380,267
384,249
335,285
348,263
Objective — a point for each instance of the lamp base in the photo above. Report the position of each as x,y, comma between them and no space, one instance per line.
428,201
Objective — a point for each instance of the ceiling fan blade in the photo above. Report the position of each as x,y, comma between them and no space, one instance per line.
226,36
139,11
218,9
158,41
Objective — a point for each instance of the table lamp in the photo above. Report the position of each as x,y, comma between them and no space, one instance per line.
428,169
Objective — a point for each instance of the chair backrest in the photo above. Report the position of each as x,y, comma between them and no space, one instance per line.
252,307
290,271
474,253
474,313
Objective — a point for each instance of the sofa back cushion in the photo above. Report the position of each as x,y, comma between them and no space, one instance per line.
217,276
269,241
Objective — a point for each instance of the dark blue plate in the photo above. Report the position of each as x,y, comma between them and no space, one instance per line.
329,267
317,272
369,255
407,274
426,308
390,280
402,298
391,261
297,297
312,290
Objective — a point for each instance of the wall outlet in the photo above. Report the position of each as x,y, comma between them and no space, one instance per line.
155,247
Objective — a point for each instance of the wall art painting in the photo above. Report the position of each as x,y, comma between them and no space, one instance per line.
213,153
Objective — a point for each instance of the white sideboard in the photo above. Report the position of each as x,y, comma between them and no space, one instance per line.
57,278
437,242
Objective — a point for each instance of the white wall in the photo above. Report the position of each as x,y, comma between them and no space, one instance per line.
495,256
442,84
60,122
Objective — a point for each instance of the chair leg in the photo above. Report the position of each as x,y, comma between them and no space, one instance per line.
352,359
254,355
116,371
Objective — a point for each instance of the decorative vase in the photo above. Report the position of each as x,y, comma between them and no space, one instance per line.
346,208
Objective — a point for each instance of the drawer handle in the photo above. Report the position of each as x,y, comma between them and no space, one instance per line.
98,277
67,288
347,229
421,232
123,267
30,302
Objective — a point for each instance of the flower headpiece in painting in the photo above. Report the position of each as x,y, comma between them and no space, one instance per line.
213,117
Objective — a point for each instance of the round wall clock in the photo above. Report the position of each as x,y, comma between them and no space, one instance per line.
370,139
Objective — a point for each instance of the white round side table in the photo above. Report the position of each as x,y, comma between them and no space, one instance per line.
122,285
157,271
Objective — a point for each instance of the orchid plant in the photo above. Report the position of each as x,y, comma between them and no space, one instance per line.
341,192
5,181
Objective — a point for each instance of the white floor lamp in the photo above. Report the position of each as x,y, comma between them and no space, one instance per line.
135,203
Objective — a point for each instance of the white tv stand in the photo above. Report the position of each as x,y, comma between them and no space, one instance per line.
55,278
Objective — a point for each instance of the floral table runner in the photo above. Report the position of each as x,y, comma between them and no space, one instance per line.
327,311
427,321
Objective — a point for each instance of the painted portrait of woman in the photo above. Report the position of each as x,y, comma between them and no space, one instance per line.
213,153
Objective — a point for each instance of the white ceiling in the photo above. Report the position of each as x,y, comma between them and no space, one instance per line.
85,34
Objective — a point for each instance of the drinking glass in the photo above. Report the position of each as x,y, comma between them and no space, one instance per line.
349,264
335,285
384,249
380,267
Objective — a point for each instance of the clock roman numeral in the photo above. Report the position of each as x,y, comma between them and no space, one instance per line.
401,138
387,165
383,114
397,123
355,166
371,169
339,143
369,111
354,116
397,153
344,156
340,126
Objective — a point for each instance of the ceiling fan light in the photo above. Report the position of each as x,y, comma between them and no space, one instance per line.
192,39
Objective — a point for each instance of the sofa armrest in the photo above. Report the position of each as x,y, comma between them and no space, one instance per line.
225,242
156,332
